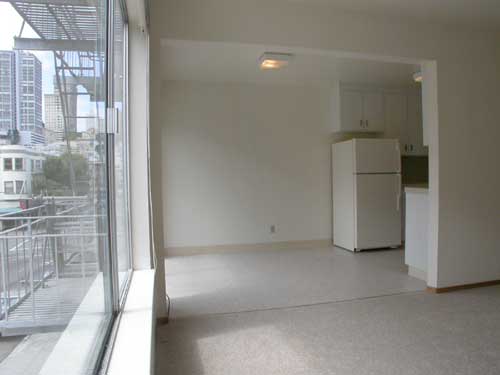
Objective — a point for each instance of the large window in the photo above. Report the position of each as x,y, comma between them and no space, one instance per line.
65,250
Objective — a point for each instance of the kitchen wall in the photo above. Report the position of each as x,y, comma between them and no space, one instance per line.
238,158
464,241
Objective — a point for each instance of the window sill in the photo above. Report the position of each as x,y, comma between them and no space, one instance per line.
133,347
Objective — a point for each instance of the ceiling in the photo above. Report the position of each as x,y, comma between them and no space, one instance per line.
222,62
479,14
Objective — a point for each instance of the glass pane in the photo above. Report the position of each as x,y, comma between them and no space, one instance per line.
121,148
54,245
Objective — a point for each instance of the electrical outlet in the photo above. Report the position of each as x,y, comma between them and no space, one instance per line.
272,229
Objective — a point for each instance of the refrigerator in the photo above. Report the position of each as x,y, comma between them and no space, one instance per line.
366,184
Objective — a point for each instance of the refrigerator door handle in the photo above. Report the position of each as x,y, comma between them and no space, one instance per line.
398,196
398,150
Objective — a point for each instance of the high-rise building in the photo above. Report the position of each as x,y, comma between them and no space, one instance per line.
54,120
54,113
8,111
21,98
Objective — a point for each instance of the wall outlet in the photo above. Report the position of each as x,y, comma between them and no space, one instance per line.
272,229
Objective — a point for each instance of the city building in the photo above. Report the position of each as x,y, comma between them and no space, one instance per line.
21,98
18,166
8,113
55,112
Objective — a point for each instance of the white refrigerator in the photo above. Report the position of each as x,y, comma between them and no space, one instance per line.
366,176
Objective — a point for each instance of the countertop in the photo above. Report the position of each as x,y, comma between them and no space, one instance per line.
416,188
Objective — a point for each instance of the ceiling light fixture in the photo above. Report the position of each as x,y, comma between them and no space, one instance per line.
274,60
417,77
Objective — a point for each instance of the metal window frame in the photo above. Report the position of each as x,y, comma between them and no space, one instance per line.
112,132
118,298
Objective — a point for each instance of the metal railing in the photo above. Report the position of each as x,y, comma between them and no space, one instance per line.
40,246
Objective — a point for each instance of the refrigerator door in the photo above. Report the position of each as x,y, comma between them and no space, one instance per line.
377,212
377,156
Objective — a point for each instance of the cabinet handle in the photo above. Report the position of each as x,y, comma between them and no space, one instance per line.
411,147
361,123
406,148
367,123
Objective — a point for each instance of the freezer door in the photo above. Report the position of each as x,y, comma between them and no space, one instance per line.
378,216
377,156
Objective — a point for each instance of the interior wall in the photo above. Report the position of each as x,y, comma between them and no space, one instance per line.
143,254
463,190
238,158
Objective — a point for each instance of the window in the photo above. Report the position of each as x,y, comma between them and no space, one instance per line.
8,187
20,187
19,164
118,98
7,164
77,229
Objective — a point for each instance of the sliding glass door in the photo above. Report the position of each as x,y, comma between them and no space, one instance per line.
118,101
65,254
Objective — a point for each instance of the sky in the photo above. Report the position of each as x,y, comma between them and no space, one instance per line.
10,26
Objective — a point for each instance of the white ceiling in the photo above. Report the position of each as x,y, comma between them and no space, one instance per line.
479,14
221,62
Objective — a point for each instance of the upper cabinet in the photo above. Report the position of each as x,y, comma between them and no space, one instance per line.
361,110
404,121
391,113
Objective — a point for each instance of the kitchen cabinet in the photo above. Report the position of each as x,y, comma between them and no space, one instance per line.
361,110
403,111
415,129
416,227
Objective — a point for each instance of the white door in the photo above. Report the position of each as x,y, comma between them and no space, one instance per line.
378,216
377,156
373,110
352,110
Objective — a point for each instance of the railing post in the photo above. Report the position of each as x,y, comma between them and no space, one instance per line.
4,279
53,240
82,246
32,287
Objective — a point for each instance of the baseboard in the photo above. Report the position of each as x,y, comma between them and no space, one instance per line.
417,273
462,287
284,245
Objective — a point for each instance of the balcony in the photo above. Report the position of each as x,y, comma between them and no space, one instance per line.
48,262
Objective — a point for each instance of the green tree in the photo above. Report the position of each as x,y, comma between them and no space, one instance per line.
56,175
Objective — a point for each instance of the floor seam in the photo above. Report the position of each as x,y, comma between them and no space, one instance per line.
278,308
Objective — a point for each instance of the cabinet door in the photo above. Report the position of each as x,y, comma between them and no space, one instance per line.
397,119
373,110
415,125
351,110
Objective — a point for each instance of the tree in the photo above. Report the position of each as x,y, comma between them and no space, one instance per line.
56,175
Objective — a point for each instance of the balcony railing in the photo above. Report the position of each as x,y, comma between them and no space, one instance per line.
48,259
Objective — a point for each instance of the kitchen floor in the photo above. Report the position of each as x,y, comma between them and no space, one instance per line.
407,334
260,280
321,311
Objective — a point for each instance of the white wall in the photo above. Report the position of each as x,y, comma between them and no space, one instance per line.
464,191
238,158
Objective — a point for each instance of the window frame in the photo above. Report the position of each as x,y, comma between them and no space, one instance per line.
22,164
5,164
5,188
118,298
22,188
